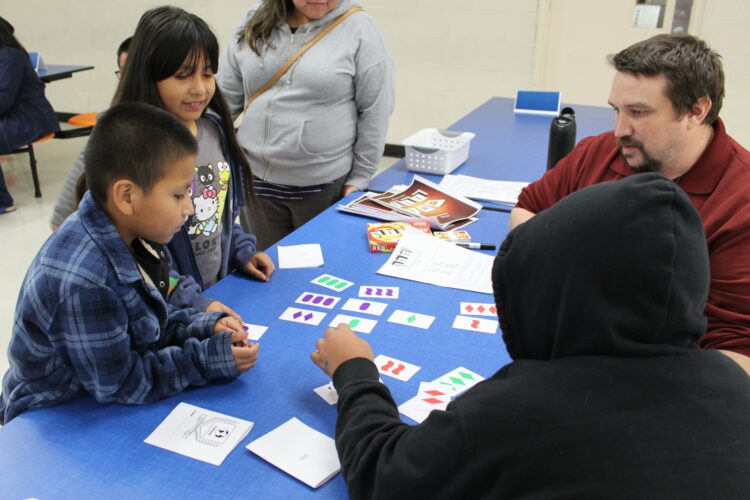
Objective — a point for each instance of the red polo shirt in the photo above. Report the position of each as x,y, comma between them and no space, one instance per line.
719,187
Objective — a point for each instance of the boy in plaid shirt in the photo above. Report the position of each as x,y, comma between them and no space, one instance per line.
91,315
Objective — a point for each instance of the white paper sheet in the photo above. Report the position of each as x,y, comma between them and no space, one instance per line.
296,256
483,189
200,434
420,257
300,451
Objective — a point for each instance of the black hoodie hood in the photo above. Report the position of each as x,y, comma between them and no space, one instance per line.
618,269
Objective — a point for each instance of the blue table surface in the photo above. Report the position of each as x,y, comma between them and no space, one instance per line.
507,146
54,71
82,449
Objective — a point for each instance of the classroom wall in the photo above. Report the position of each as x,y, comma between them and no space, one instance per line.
576,35
725,27
450,56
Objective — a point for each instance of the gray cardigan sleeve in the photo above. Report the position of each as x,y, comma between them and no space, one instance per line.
66,201
375,96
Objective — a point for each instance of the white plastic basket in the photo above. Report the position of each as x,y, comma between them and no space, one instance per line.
436,151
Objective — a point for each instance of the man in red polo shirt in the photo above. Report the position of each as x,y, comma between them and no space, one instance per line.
667,93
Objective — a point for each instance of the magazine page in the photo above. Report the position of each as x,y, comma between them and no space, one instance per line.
365,206
426,200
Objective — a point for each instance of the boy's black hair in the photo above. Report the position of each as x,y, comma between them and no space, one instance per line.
124,47
134,141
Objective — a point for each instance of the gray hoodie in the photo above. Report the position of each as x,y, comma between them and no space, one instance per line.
327,117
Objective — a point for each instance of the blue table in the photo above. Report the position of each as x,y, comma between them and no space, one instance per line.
55,72
81,449
507,146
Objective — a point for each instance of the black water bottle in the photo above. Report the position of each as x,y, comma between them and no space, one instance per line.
562,136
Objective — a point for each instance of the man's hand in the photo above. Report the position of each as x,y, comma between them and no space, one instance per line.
519,216
347,190
260,266
743,361
339,345
217,306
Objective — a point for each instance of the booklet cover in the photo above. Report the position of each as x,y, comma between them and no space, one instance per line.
421,199
198,433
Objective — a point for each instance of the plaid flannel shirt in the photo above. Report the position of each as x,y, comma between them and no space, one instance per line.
85,321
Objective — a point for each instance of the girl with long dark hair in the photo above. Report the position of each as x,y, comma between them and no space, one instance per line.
171,64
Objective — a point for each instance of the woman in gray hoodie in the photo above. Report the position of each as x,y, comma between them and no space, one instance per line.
318,133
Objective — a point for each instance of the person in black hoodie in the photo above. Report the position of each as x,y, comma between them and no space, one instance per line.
601,303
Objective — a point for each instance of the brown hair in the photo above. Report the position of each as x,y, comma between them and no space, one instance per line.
270,15
692,69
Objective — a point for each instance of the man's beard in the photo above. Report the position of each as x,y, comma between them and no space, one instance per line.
649,164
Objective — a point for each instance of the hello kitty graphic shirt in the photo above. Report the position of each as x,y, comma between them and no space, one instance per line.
209,193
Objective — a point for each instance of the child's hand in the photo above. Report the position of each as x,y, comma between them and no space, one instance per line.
338,346
229,324
260,266
245,356
217,306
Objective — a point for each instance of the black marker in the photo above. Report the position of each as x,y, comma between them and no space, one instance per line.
476,246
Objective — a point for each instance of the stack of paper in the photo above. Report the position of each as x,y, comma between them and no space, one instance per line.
420,257
483,189
300,451
445,211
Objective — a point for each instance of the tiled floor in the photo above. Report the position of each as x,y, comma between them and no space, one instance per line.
27,228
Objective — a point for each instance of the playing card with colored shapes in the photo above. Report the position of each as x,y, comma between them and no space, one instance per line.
395,368
361,325
317,299
380,292
254,332
479,309
431,396
475,324
364,306
411,319
332,282
328,393
302,316
459,380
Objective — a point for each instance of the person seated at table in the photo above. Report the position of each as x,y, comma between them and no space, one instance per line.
609,395
25,114
667,92
75,182
91,316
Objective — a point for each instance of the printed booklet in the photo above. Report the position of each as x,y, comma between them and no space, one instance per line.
421,199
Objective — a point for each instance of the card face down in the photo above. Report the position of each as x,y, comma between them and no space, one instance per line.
300,451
